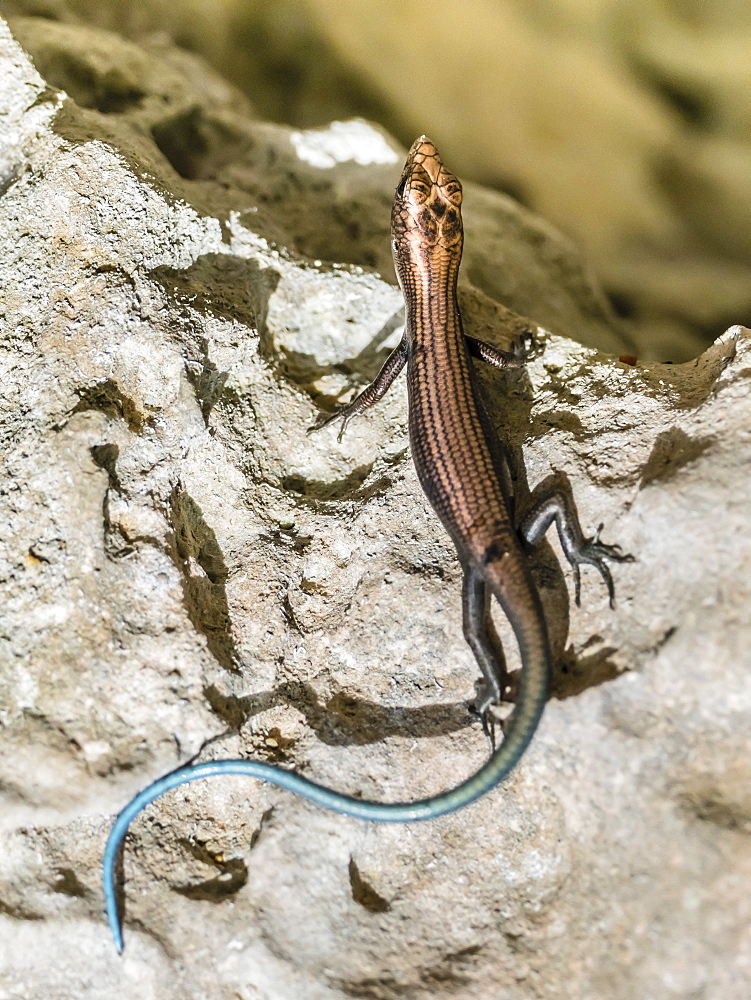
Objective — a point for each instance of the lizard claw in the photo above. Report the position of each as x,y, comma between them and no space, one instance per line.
320,421
487,701
324,419
488,727
488,721
594,552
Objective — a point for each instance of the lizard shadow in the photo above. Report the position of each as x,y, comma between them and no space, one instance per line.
344,720
196,553
572,674
511,396
225,287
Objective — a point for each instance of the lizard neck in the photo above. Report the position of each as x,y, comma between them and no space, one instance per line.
428,278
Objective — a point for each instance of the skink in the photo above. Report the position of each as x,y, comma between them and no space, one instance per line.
463,473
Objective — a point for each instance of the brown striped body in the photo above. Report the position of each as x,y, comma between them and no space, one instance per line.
460,466
457,467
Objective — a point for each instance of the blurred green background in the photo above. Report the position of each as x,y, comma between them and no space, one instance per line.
625,123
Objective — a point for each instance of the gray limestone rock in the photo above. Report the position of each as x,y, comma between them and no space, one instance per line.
183,569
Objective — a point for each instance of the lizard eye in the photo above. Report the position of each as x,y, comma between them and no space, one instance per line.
400,187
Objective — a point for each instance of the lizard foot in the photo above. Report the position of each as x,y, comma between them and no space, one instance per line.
324,419
593,552
492,709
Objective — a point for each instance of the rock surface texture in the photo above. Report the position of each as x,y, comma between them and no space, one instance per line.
182,286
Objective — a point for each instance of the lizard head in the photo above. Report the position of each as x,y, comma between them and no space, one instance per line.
427,206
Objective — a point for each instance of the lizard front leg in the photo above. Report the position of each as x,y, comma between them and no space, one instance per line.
523,349
371,394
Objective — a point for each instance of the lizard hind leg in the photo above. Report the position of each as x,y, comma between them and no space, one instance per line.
483,640
578,549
